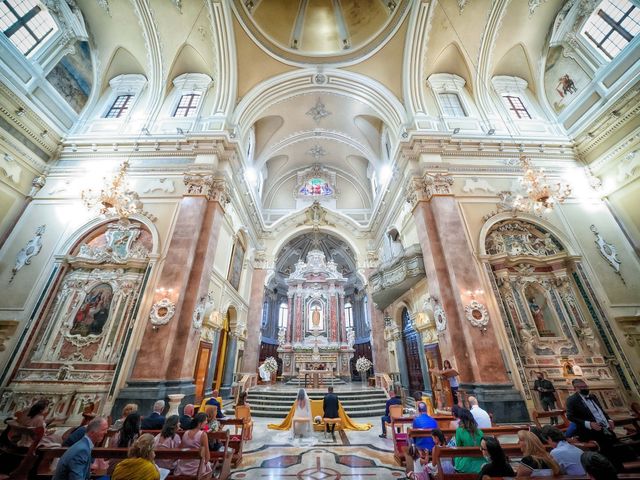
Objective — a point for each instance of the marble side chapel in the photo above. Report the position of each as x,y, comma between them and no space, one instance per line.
84,322
316,336
549,311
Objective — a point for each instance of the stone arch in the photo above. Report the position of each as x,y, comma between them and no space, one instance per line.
308,81
277,248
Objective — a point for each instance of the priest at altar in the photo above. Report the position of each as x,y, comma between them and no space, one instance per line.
316,411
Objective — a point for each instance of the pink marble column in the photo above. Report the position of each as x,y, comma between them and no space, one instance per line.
169,352
378,345
254,321
451,270
290,320
299,317
333,322
343,327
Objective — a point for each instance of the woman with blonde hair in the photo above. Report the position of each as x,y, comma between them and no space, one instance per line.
128,409
140,464
536,461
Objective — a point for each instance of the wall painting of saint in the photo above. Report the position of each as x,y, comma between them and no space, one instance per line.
94,311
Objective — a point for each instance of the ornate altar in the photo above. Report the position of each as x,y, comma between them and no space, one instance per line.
316,337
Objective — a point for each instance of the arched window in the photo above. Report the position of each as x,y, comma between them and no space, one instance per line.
283,315
348,315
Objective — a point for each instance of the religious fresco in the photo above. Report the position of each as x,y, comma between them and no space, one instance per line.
72,77
564,79
94,311
540,311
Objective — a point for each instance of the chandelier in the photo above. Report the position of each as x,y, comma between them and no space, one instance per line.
540,197
115,199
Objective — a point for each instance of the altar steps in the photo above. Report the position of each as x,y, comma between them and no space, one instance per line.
299,382
368,402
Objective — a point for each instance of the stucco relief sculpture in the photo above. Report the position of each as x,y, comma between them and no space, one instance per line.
515,237
608,251
162,312
30,250
477,314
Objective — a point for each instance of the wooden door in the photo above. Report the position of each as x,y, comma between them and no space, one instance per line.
413,350
202,367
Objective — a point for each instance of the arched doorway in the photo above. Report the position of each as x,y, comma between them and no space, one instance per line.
412,349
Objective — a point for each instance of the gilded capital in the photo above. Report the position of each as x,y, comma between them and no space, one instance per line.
198,184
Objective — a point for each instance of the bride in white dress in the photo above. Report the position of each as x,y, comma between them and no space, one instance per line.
301,424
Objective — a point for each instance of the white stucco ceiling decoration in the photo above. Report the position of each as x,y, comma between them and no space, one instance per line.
305,32
318,111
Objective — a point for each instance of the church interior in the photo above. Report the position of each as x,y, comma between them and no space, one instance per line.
253,201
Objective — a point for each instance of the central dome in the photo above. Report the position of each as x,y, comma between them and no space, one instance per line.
320,31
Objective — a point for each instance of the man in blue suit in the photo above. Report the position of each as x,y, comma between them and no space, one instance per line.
155,421
76,462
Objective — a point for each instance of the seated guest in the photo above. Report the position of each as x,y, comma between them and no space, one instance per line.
439,440
420,458
76,461
129,432
73,435
498,462
168,438
481,417
468,435
567,455
155,421
536,462
393,400
423,420
598,467
455,423
195,438
33,417
187,416
128,409
212,421
216,403
140,464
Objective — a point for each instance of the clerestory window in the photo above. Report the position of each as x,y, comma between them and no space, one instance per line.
119,107
188,105
26,23
612,26
451,105
516,107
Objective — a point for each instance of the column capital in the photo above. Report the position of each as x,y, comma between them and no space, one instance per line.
198,183
421,188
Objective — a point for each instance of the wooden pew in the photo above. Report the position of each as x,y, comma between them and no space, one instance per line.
236,441
561,414
401,441
22,458
511,450
47,456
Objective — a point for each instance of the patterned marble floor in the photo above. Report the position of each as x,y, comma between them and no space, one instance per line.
354,455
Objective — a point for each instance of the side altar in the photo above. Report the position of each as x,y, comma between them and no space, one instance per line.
316,336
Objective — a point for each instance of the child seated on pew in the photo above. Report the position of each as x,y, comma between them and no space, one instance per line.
420,458
439,440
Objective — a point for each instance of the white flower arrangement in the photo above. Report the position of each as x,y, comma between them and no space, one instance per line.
363,364
271,365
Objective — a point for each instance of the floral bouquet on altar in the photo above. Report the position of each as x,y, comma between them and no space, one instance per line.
271,365
363,364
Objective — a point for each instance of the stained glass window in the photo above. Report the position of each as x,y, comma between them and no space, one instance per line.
316,187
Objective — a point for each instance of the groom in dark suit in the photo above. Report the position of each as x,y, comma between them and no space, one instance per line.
593,423
330,410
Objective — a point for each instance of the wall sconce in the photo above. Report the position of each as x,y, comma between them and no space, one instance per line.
475,293
163,310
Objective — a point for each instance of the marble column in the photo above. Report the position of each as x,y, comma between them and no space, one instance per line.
290,322
343,327
424,367
166,359
451,270
212,363
229,366
299,316
402,359
333,315
254,321
378,345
